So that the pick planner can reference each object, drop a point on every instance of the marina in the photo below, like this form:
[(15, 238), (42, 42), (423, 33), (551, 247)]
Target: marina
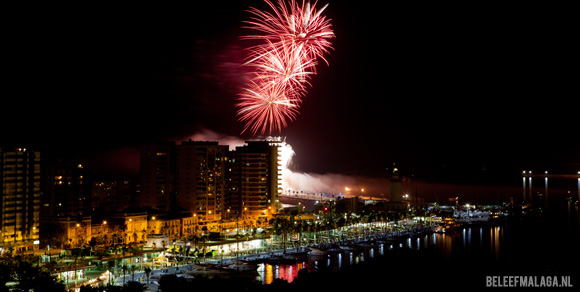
[(473, 238), (331, 257), (262, 257), (335, 255), (471, 250)]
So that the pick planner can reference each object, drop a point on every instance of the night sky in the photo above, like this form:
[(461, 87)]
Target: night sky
[(454, 93)]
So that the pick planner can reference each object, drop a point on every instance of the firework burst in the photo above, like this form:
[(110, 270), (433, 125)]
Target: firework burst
[(293, 38), (284, 66), (299, 27), (266, 108)]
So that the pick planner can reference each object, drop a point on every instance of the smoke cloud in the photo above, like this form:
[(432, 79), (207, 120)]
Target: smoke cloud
[(209, 135)]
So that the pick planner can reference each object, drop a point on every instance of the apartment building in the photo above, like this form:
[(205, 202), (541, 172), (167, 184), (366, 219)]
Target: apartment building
[(20, 200)]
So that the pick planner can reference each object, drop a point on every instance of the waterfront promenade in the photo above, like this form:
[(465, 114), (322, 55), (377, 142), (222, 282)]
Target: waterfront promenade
[(356, 233)]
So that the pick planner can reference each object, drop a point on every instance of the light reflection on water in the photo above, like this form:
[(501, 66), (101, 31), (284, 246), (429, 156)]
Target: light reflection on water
[(464, 240)]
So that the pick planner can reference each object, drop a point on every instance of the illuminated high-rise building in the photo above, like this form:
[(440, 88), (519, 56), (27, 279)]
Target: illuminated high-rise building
[(20, 201), (63, 191), (255, 180), (211, 182), (111, 195), (396, 188), (200, 179), (157, 169)]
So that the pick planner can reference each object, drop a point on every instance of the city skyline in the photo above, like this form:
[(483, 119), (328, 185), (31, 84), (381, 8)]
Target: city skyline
[(444, 134), (447, 93)]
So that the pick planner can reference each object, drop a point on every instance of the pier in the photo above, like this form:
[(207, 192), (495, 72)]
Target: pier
[(527, 184)]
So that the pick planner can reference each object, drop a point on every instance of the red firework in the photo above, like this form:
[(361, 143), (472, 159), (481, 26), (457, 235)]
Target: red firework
[(299, 27), (266, 107), (284, 66), (294, 37)]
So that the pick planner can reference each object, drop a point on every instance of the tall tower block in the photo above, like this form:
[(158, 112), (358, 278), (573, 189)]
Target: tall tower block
[(396, 188)]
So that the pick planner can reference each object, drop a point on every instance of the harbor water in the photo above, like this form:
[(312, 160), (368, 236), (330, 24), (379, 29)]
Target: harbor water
[(463, 240), (542, 246)]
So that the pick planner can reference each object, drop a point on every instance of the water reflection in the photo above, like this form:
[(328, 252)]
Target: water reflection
[(455, 243), (267, 273)]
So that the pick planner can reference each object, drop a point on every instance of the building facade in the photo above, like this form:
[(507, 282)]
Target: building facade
[(157, 171), (109, 196), (201, 183), (63, 189), (20, 201), (66, 232), (255, 180)]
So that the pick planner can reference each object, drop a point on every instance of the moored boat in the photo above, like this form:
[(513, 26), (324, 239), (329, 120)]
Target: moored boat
[(281, 260), (242, 267), (317, 252), (348, 247)]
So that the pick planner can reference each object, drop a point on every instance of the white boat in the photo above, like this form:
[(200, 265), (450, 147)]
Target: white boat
[(233, 269), (316, 252), (187, 276), (349, 247), (205, 271), (286, 259), (243, 267), (440, 229)]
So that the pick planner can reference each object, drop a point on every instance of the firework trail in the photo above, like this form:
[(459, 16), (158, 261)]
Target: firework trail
[(298, 27), (266, 107), (284, 66), (292, 38)]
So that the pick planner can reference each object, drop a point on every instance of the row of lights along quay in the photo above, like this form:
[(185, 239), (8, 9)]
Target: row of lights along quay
[(528, 185)]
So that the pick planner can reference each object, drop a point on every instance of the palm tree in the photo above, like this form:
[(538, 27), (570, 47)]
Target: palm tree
[(186, 253), (124, 270), (133, 268), (147, 273), (195, 239), (281, 227), (124, 250), (92, 244), (174, 252), (203, 239)]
